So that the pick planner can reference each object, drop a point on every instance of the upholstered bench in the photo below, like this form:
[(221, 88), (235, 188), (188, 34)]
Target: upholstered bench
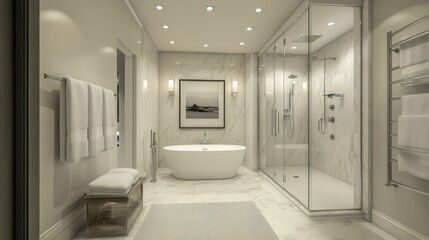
[(113, 213)]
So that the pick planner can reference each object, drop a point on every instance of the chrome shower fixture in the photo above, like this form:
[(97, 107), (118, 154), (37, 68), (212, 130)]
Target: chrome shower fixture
[(292, 76), (332, 95)]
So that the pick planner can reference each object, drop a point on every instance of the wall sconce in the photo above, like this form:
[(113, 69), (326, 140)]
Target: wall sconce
[(234, 91), (170, 87)]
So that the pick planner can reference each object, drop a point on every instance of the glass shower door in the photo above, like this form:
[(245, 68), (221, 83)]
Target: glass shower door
[(266, 108), (295, 119), (278, 111), (335, 114)]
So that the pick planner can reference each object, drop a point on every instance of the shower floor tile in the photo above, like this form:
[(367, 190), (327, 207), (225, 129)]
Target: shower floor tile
[(287, 221)]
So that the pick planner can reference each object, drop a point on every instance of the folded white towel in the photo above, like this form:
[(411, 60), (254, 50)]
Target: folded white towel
[(417, 104), (414, 163), (414, 51), (109, 119), (415, 70), (413, 131), (63, 122), (76, 120), (95, 120), (111, 184), (133, 172)]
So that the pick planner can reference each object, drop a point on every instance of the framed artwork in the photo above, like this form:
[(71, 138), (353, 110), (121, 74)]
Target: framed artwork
[(201, 103)]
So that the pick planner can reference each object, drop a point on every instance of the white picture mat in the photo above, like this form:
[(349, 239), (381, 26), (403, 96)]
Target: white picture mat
[(202, 86)]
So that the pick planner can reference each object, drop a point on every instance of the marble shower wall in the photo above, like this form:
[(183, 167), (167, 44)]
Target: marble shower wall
[(339, 158), (295, 129), (209, 66)]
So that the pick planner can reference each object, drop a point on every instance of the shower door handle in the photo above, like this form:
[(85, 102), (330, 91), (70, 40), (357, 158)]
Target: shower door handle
[(318, 124), (272, 122), (278, 123), (275, 114)]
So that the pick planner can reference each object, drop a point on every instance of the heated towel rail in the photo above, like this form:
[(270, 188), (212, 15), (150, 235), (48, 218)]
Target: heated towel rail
[(396, 87)]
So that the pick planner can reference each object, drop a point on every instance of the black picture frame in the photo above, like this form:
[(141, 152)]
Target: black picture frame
[(182, 107)]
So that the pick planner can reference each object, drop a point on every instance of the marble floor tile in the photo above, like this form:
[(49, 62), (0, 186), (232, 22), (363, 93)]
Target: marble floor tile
[(287, 220)]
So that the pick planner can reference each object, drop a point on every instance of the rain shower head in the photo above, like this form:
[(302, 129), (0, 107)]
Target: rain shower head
[(305, 38), (292, 76)]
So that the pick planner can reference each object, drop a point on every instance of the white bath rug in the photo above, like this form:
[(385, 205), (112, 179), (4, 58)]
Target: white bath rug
[(205, 221)]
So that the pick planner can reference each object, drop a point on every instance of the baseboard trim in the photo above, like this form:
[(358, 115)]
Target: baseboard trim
[(394, 227), (63, 224)]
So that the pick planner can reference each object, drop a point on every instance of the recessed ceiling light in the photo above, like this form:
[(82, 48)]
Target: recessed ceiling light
[(249, 28), (294, 47), (177, 62), (210, 8), (139, 42), (242, 43), (205, 45), (165, 26), (258, 10), (172, 42), (331, 23), (159, 7)]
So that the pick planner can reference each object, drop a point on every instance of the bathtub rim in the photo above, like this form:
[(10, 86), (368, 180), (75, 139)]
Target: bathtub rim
[(232, 147)]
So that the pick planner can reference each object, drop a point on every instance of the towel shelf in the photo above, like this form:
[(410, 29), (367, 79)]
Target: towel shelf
[(395, 178)]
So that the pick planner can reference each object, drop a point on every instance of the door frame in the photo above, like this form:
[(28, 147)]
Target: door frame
[(26, 119)]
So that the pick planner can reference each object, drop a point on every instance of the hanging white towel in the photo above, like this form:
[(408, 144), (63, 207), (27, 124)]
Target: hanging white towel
[(417, 104), (414, 51), (63, 122), (76, 120), (413, 132), (414, 163), (95, 120), (415, 70), (109, 119)]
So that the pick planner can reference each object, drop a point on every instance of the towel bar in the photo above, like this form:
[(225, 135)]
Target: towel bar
[(53, 77)]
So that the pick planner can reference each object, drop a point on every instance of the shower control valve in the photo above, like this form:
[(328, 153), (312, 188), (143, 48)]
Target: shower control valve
[(331, 119), (332, 107)]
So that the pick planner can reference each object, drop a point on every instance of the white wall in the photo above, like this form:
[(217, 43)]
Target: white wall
[(404, 206), (226, 67), (79, 38)]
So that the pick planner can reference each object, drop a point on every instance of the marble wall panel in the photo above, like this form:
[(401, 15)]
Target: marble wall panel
[(205, 66)]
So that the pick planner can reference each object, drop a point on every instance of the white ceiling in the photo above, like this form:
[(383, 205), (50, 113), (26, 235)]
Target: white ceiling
[(191, 26)]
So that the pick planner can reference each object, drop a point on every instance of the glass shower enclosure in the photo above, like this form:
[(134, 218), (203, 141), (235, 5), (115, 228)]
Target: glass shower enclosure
[(310, 109)]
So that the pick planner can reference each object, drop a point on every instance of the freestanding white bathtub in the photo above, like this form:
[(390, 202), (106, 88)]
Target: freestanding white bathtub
[(204, 161)]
